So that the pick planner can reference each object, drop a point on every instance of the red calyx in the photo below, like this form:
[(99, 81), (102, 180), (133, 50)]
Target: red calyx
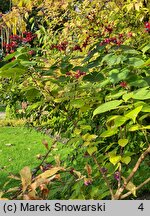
[(123, 84)]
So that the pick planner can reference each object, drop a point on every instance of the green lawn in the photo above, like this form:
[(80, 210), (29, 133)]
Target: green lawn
[(19, 147)]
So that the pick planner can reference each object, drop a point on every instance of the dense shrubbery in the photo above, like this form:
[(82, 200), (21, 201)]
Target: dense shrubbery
[(87, 82)]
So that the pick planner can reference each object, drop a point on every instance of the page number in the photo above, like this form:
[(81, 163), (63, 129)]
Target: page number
[(141, 207)]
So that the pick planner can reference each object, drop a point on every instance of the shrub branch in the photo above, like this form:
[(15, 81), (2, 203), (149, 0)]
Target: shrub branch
[(104, 176), (137, 188), (141, 158)]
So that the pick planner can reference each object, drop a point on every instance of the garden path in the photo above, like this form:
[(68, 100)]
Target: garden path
[(2, 115)]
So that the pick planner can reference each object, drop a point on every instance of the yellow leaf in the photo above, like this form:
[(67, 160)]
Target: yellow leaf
[(126, 159), (37, 183), (26, 177), (89, 137), (132, 188), (45, 143), (49, 173), (3, 199), (123, 142), (89, 169)]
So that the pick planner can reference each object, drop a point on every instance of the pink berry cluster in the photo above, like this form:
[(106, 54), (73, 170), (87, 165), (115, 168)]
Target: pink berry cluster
[(147, 26), (108, 29), (77, 75), (61, 47), (28, 37), (16, 40), (86, 41), (116, 40)]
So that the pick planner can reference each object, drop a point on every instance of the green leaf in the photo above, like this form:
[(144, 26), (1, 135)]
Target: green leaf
[(107, 107), (134, 113), (12, 72), (94, 77), (115, 96), (34, 106), (86, 127), (141, 94), (126, 159), (123, 142), (135, 62), (77, 103), (109, 132), (28, 63), (134, 128), (147, 47), (94, 63), (92, 52), (10, 56), (91, 150), (32, 94), (138, 83), (145, 127), (116, 121), (116, 75), (114, 159), (120, 120), (127, 96), (146, 63), (11, 64), (131, 51), (146, 108), (89, 137), (111, 59)]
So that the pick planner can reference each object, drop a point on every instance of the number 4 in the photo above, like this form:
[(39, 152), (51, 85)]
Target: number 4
[(141, 207)]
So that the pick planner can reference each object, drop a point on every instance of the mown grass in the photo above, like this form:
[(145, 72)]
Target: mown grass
[(19, 147)]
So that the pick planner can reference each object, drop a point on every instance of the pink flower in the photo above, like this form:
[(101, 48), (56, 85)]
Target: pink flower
[(123, 84), (31, 52), (129, 34)]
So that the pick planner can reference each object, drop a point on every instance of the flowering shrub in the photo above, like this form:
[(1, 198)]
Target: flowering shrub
[(91, 92)]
